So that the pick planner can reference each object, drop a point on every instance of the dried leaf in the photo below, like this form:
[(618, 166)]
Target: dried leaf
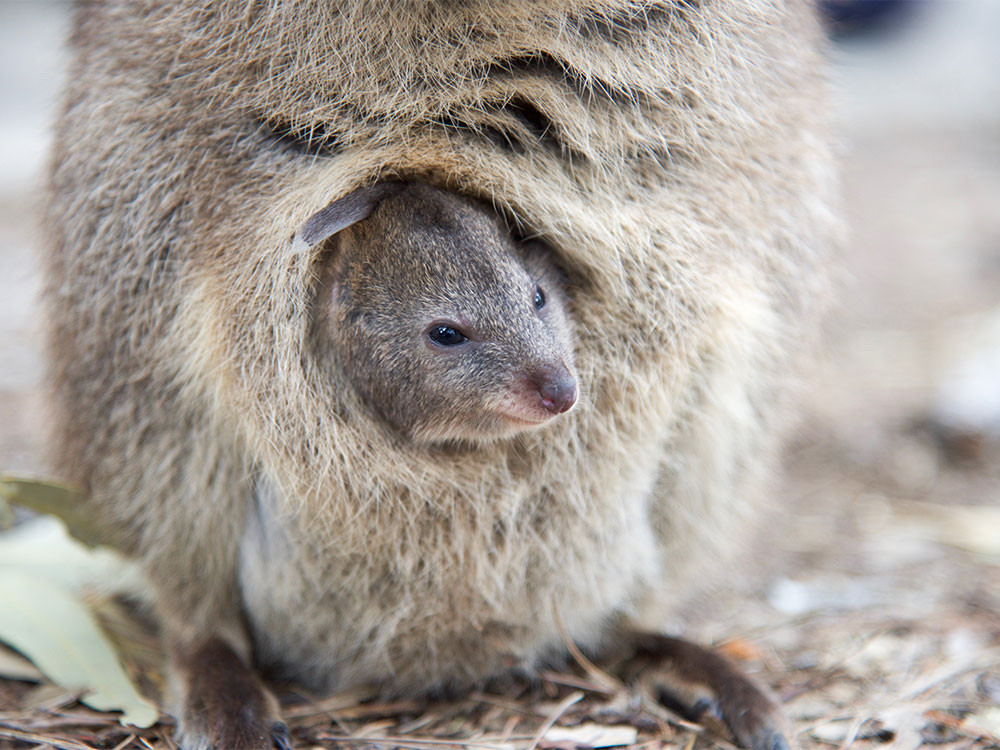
[(741, 649), (832, 732), (985, 723), (43, 620), (975, 528), (54, 499), (6, 515), (590, 735)]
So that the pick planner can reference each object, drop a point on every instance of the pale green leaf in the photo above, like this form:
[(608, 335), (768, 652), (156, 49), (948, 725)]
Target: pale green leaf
[(42, 547), (14, 667), (46, 623)]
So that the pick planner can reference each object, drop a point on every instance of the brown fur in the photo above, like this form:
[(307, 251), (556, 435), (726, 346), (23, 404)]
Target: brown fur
[(672, 154), (222, 699), (720, 690)]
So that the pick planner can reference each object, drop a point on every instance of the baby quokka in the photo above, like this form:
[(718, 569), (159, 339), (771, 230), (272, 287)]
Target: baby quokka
[(447, 327)]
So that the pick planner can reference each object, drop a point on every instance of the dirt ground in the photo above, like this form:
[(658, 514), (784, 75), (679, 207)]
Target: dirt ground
[(875, 612)]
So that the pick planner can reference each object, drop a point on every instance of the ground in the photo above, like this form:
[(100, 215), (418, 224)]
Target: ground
[(872, 605)]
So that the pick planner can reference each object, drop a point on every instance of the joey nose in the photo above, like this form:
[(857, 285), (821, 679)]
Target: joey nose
[(556, 388)]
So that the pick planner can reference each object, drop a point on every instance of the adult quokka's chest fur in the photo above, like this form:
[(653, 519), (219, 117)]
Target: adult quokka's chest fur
[(442, 580)]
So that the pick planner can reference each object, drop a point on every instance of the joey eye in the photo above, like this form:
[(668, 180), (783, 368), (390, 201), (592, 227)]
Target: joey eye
[(539, 298), (446, 335)]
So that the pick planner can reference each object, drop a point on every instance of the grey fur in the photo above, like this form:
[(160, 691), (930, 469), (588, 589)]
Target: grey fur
[(424, 258), (344, 212), (672, 155)]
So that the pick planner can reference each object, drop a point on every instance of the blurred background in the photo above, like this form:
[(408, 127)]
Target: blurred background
[(31, 69), (879, 600)]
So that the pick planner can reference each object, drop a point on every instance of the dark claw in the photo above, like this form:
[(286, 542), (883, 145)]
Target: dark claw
[(668, 700), (689, 711), (282, 740), (706, 707)]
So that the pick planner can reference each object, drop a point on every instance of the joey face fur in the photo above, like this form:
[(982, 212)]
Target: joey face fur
[(448, 328)]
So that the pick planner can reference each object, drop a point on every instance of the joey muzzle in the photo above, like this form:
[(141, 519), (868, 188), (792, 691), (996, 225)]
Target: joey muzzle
[(556, 388)]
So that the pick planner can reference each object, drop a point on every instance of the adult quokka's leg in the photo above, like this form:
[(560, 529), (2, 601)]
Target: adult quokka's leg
[(217, 696), (697, 682), (221, 701)]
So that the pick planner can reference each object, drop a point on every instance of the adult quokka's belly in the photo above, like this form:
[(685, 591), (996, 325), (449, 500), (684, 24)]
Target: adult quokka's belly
[(437, 617)]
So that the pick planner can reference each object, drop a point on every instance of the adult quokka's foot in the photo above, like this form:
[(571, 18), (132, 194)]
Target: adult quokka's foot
[(223, 704), (697, 682)]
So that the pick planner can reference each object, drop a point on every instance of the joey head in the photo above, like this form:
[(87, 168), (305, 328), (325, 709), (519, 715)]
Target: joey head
[(446, 326)]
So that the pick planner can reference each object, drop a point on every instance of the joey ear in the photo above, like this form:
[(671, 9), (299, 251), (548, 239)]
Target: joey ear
[(343, 212)]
